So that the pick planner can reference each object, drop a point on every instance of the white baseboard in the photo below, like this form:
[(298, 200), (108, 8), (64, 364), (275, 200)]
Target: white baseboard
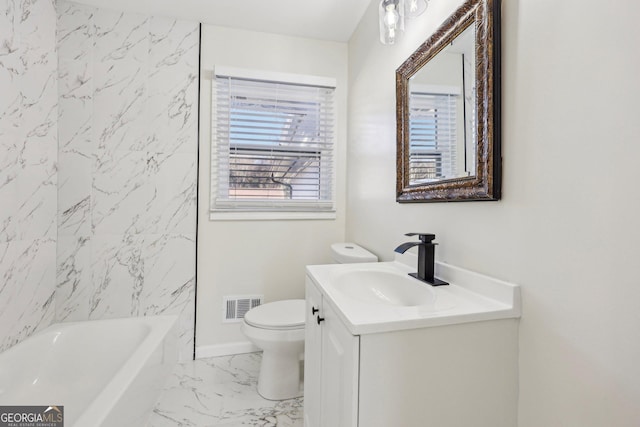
[(227, 349)]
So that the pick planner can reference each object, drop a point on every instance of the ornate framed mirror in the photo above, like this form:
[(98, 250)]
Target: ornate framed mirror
[(448, 111)]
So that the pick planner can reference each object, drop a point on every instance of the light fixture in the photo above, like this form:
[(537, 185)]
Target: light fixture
[(414, 8), (391, 17)]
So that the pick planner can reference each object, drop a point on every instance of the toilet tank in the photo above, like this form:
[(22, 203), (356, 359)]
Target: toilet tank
[(350, 253)]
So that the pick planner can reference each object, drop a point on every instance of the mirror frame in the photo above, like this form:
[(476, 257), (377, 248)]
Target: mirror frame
[(486, 184)]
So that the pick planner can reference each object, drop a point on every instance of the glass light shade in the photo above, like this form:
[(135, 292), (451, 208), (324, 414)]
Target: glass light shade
[(391, 18), (414, 8)]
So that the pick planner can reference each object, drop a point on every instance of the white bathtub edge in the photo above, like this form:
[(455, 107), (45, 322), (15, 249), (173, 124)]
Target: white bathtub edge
[(101, 411)]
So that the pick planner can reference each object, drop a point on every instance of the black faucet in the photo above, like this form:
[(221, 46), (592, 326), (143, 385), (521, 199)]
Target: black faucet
[(426, 257)]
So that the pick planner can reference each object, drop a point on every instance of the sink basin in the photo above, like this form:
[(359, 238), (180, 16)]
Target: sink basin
[(384, 287), (379, 297)]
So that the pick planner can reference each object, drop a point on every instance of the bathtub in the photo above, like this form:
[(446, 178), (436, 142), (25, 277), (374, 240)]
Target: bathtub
[(104, 372)]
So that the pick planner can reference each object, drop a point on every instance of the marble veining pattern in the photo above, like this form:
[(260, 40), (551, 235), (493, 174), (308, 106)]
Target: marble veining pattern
[(221, 391), (127, 166), (28, 169)]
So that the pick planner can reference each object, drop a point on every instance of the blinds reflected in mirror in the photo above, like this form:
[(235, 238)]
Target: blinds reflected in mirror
[(273, 145), (432, 137)]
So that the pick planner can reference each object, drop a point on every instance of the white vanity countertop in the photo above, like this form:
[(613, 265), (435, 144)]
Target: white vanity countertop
[(470, 297)]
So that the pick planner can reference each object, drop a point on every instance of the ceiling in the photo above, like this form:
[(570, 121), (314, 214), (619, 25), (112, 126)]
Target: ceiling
[(318, 19)]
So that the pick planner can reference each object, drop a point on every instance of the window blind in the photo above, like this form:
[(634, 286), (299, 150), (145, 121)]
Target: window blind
[(272, 146), (433, 139)]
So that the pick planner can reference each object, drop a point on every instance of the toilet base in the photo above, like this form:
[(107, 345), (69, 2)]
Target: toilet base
[(279, 377)]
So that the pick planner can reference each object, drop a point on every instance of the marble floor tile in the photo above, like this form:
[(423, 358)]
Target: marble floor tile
[(221, 391)]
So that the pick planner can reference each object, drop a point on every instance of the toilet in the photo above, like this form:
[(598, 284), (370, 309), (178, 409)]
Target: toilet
[(277, 328)]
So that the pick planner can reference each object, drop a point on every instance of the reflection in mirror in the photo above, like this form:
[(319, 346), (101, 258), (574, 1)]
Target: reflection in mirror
[(448, 110), (442, 144)]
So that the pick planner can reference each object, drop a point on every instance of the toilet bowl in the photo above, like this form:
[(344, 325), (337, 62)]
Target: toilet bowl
[(277, 328)]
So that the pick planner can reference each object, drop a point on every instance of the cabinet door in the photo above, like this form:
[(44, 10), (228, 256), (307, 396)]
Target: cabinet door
[(340, 359), (312, 355)]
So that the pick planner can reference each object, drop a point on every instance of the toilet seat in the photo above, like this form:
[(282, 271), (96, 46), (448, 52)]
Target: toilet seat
[(278, 315), (278, 329)]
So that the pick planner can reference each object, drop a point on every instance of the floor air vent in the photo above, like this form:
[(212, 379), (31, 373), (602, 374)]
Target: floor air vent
[(235, 307)]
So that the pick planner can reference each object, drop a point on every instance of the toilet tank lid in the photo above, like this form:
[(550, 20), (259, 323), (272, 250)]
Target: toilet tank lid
[(346, 253), (283, 314)]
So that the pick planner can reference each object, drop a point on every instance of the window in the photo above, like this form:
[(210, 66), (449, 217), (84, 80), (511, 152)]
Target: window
[(272, 144), (433, 151)]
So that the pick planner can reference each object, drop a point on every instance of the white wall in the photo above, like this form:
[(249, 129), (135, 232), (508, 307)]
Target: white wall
[(261, 257), (567, 226)]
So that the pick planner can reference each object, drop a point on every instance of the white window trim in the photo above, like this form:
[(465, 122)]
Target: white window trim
[(274, 76), (270, 215), (435, 89)]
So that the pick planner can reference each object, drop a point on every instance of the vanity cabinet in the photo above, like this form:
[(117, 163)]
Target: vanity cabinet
[(449, 375), (331, 366)]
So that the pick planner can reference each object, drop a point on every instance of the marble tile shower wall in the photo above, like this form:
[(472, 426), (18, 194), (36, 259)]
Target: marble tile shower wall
[(128, 90), (28, 178)]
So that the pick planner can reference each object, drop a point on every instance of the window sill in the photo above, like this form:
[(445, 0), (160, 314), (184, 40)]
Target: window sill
[(270, 216)]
